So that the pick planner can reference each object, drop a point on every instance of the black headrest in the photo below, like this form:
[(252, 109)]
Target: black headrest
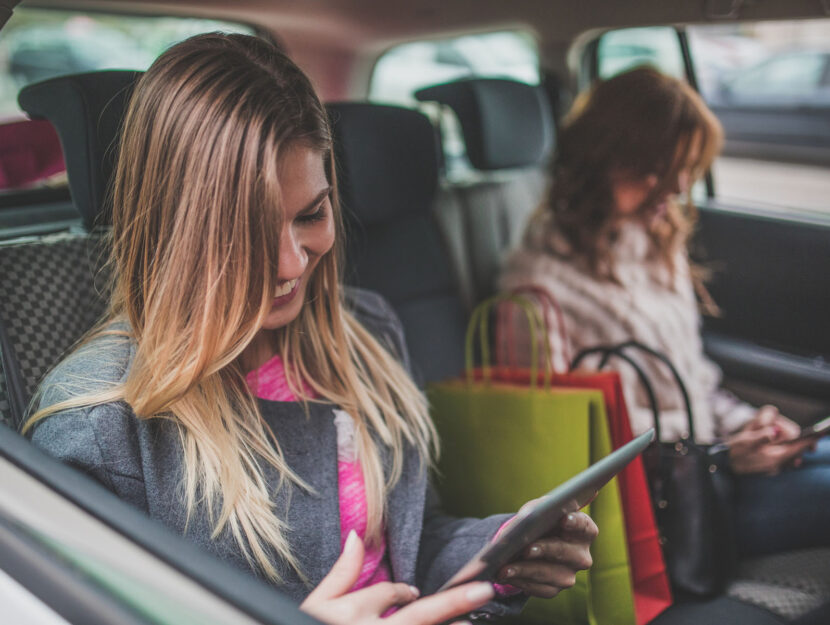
[(506, 124), (387, 159), (87, 111)]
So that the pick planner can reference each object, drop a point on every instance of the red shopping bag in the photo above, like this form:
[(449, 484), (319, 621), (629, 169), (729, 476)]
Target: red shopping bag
[(652, 593)]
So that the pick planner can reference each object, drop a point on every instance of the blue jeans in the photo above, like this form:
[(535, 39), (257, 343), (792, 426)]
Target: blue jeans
[(787, 511)]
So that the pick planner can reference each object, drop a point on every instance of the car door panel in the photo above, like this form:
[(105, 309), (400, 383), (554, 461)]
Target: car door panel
[(770, 277)]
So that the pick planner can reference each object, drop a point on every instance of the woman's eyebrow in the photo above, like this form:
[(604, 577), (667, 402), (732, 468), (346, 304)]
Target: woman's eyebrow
[(317, 199)]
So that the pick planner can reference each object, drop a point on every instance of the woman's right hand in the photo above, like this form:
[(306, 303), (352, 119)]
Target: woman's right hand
[(331, 602), (761, 445)]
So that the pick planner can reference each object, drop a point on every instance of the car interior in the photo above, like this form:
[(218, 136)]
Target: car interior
[(427, 225)]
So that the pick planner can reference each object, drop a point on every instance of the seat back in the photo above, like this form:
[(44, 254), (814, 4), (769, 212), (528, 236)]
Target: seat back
[(387, 161), (509, 133), (54, 288)]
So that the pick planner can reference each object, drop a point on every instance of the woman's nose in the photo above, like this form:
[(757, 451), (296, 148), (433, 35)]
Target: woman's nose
[(293, 257), (682, 182)]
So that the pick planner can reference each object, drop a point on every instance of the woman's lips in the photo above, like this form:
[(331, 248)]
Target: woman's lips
[(286, 292)]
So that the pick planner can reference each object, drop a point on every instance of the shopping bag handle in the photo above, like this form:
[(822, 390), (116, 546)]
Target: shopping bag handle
[(504, 332), (480, 319), (618, 350)]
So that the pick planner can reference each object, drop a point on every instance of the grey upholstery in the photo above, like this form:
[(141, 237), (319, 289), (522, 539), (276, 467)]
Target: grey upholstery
[(505, 123), (387, 160), (54, 288), (509, 133), (789, 584), (87, 111)]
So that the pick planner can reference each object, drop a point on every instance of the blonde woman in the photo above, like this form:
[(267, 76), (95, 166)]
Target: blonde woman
[(233, 393), (610, 245)]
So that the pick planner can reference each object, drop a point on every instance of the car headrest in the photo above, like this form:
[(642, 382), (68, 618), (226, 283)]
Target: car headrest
[(506, 124), (87, 111), (387, 160)]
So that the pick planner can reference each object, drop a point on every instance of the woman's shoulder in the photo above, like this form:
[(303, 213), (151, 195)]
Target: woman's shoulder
[(101, 437), (376, 314), (97, 364)]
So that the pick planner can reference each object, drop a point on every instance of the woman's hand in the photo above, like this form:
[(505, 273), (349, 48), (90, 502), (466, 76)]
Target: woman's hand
[(331, 602), (550, 564), (761, 445)]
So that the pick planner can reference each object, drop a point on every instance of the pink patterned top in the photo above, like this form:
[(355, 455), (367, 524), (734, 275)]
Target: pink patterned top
[(269, 382)]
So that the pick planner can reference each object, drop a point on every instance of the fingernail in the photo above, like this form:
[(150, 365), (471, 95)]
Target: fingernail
[(535, 551), (481, 592), (415, 592), (570, 521), (351, 541)]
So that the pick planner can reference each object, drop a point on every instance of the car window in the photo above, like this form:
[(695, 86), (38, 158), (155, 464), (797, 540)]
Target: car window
[(404, 69), (789, 76), (768, 85), (657, 46), (37, 44)]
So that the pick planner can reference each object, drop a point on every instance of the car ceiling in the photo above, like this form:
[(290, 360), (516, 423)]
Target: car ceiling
[(379, 23), (337, 41)]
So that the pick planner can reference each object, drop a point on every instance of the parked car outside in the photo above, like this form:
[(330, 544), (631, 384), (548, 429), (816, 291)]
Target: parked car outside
[(779, 108)]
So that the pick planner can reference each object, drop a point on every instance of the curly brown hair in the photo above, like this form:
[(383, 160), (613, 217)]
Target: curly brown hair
[(637, 124)]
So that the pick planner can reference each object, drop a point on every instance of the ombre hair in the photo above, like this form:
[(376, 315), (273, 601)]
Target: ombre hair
[(637, 124), (196, 224)]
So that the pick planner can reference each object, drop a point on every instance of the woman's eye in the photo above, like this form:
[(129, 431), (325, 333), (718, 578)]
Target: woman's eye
[(317, 215)]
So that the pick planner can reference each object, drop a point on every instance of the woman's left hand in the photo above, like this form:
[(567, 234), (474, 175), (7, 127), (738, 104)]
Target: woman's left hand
[(550, 564)]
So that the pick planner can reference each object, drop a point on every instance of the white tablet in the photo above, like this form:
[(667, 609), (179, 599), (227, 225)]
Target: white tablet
[(534, 523)]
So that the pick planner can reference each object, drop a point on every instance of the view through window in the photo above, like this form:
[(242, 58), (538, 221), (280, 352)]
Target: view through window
[(37, 44), (769, 84)]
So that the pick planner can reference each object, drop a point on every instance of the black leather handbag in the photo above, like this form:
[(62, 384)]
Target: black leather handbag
[(691, 488)]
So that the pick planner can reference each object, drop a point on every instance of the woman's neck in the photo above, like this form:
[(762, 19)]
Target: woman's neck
[(259, 351)]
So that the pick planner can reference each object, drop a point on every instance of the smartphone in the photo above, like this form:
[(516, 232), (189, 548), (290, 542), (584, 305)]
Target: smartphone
[(817, 430)]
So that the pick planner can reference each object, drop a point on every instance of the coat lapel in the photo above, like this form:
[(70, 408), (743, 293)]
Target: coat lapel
[(309, 445), (404, 518)]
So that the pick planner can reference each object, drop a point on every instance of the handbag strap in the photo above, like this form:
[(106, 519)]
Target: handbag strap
[(607, 352), (618, 350), (687, 402)]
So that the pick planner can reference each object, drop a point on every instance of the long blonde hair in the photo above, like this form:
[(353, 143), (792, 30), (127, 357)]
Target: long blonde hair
[(196, 223)]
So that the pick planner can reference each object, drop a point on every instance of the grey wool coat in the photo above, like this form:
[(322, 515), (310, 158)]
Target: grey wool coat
[(141, 462)]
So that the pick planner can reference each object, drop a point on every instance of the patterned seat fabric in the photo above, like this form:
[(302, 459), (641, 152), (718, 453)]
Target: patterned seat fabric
[(53, 289), (788, 584)]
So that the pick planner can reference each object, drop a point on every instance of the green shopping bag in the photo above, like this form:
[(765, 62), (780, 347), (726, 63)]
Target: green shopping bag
[(503, 445)]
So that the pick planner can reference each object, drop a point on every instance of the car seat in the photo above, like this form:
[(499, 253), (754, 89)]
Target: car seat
[(509, 133), (54, 287), (387, 164)]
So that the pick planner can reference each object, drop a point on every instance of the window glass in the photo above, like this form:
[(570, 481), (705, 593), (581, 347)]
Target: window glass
[(36, 44), (624, 49), (406, 68), (769, 84)]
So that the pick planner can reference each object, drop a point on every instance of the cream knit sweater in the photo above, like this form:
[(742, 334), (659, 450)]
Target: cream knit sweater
[(648, 305)]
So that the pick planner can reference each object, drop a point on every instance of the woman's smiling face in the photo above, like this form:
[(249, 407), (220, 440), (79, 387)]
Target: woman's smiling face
[(307, 231)]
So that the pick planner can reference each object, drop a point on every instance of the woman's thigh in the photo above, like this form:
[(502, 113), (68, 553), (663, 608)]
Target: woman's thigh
[(790, 510)]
